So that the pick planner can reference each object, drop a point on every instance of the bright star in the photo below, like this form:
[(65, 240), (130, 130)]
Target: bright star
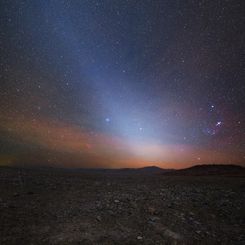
[(218, 123)]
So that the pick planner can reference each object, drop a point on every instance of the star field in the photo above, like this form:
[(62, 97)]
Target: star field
[(122, 83)]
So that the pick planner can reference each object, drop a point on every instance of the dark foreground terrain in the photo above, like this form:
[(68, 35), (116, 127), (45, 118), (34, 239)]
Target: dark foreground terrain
[(42, 206)]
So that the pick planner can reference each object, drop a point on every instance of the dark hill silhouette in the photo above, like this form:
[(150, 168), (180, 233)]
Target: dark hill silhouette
[(146, 170), (151, 169), (210, 169)]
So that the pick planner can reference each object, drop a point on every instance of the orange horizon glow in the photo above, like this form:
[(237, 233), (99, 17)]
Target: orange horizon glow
[(64, 145)]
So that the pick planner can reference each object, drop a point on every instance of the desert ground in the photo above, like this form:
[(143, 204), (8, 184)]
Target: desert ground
[(55, 206)]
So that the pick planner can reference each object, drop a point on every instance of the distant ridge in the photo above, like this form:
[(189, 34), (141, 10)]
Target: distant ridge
[(210, 169), (147, 169), (143, 170), (197, 170)]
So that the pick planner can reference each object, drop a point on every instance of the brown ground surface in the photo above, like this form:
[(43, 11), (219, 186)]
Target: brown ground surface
[(60, 207)]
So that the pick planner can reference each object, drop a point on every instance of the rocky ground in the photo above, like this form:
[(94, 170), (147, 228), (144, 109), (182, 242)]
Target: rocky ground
[(65, 207)]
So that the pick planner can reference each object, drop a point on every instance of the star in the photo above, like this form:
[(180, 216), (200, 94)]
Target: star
[(218, 123), (107, 119)]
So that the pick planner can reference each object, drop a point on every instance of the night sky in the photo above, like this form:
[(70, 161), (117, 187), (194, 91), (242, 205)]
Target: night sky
[(122, 83)]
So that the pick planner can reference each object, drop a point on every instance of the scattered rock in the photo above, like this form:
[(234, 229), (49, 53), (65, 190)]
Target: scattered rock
[(152, 210), (172, 234), (154, 218), (111, 212), (11, 206), (129, 210), (98, 218), (30, 193)]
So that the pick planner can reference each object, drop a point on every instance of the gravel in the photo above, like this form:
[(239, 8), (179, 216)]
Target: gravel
[(68, 207)]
